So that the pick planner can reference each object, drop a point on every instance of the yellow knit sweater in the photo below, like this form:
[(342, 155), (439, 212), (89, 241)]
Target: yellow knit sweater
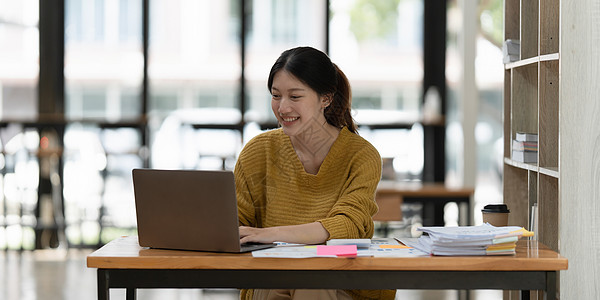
[(273, 189)]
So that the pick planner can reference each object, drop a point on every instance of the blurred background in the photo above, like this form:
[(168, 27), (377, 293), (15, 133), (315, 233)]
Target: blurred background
[(90, 89)]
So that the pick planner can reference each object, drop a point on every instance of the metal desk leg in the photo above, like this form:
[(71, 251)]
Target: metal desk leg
[(463, 294), (464, 213), (438, 213), (131, 293), (550, 285), (431, 214), (103, 293)]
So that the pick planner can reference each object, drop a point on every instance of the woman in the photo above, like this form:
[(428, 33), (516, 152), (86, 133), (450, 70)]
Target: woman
[(313, 179)]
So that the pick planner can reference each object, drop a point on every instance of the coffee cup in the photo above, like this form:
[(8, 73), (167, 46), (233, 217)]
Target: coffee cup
[(495, 214)]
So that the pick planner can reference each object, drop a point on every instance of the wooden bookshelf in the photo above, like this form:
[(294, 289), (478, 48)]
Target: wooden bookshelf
[(531, 104)]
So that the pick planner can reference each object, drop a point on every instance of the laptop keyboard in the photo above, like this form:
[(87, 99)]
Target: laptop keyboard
[(255, 246)]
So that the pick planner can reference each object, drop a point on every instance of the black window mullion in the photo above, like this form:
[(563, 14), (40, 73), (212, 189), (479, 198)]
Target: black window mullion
[(145, 41), (51, 84), (327, 13), (51, 109), (243, 29), (145, 94), (434, 75)]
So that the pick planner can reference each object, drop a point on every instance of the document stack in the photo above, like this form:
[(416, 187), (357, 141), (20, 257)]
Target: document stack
[(525, 147), (470, 240), (511, 50)]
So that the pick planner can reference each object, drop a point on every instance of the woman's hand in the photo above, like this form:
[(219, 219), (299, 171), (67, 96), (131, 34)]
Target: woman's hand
[(257, 235), (311, 233)]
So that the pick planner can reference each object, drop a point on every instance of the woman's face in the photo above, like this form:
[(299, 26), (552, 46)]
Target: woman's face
[(295, 105)]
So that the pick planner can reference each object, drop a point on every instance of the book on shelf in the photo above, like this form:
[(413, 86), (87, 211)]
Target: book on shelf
[(511, 50), (533, 222), (526, 137), (524, 146), (524, 156)]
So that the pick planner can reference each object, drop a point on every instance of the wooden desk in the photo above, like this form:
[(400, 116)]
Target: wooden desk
[(122, 263), (433, 196)]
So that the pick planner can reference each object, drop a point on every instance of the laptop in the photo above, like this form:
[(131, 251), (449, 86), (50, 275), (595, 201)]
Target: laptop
[(188, 210)]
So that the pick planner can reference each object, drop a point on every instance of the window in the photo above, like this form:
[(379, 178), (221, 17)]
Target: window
[(194, 59), (19, 59), (207, 63), (19, 71), (378, 44), (489, 74), (194, 70), (275, 27), (103, 59)]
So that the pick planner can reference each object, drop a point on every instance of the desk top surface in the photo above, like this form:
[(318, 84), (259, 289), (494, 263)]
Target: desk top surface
[(423, 189), (125, 253)]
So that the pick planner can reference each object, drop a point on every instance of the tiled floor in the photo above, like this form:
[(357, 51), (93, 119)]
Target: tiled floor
[(63, 275)]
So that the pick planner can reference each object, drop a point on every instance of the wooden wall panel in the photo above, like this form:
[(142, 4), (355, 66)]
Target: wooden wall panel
[(548, 114), (529, 28), (549, 26), (516, 195), (511, 25), (524, 99)]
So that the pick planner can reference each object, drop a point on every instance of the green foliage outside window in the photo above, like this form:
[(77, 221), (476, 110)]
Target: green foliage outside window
[(491, 19), (374, 19)]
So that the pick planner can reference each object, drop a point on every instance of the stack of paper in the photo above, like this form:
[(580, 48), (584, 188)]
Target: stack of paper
[(377, 247), (470, 240), (360, 243)]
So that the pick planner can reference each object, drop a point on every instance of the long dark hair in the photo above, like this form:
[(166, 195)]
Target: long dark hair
[(315, 69)]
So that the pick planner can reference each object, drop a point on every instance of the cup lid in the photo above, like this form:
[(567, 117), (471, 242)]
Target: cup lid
[(495, 208)]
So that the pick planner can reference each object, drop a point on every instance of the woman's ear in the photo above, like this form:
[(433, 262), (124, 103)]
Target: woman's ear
[(326, 100)]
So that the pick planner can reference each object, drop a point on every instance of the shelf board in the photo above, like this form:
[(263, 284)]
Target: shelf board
[(518, 164), (550, 57), (532, 60), (550, 171), (521, 63)]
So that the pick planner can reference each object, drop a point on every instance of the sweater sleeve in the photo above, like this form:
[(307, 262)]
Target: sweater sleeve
[(352, 214), (244, 196)]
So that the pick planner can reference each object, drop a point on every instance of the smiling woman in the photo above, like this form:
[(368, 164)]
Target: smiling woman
[(314, 71), (313, 179), (311, 101)]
